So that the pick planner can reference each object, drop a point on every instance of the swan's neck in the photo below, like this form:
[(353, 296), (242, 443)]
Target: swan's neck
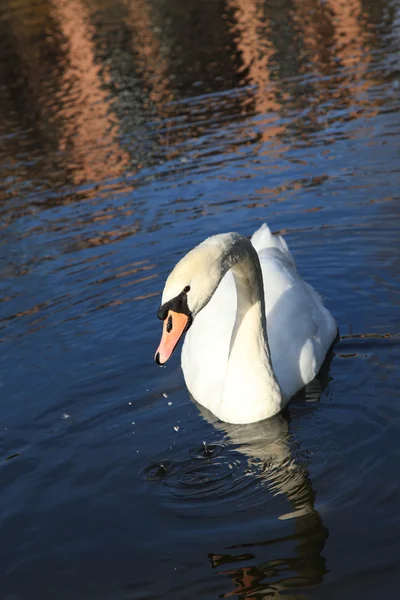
[(251, 391)]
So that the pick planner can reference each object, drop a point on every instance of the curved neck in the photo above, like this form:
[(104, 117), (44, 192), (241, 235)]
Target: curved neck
[(251, 391)]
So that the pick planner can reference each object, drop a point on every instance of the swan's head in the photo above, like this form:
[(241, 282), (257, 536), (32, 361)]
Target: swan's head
[(188, 289)]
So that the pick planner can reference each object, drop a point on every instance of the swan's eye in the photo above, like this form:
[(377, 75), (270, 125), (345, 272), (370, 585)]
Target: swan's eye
[(169, 324), (186, 289)]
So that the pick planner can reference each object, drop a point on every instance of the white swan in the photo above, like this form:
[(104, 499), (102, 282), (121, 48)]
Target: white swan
[(256, 331)]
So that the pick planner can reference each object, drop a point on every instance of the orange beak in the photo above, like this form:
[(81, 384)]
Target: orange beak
[(173, 328)]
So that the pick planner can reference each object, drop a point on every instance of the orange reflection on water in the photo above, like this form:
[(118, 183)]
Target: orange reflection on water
[(352, 46), (314, 27), (88, 121), (350, 33), (336, 42), (152, 64), (252, 33)]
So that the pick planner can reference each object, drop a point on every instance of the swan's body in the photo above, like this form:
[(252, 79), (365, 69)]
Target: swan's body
[(259, 334)]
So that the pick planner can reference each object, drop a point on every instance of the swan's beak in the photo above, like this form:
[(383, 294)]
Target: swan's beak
[(174, 326)]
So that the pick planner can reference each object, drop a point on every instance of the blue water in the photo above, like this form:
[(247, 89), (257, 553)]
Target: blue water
[(129, 132)]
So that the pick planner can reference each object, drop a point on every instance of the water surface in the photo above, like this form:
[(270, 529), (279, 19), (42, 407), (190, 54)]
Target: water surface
[(130, 130)]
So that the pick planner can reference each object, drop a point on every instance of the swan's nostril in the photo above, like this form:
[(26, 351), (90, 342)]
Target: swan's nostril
[(169, 324)]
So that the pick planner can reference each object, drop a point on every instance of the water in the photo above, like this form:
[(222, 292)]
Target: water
[(130, 131)]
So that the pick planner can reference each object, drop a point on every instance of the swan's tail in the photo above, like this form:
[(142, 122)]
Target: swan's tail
[(263, 238)]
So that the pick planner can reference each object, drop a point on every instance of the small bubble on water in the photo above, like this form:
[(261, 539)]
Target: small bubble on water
[(165, 395), (129, 403), (169, 403), (206, 449), (133, 422), (176, 427)]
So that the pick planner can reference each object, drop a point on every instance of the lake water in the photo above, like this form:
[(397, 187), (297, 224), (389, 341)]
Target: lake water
[(130, 130)]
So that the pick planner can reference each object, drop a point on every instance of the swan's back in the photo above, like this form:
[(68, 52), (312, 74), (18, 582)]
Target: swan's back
[(263, 238)]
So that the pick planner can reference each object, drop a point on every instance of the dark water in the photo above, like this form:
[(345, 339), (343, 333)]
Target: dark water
[(130, 131)]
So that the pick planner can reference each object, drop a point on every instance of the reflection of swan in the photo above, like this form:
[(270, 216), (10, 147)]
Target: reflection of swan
[(282, 566), (230, 364)]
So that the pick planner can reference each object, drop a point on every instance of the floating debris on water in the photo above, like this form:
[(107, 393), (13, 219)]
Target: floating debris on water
[(176, 427), (13, 456), (170, 403), (66, 416), (165, 395)]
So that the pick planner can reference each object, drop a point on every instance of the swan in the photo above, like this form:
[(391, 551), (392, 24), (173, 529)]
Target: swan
[(256, 332)]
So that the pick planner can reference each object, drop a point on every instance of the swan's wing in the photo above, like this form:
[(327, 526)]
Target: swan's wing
[(300, 328)]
